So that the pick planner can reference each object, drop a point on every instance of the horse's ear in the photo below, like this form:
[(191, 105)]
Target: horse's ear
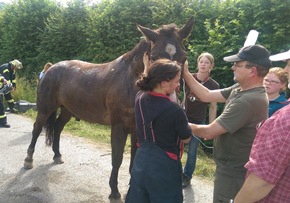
[(187, 28), (149, 34)]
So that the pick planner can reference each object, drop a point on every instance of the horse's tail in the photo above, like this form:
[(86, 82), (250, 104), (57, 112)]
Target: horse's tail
[(50, 129)]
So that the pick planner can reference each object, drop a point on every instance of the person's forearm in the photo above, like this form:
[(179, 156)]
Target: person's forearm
[(209, 131), (212, 112), (253, 190), (201, 131)]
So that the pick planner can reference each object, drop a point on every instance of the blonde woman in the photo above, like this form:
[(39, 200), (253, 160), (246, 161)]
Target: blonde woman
[(196, 110), (275, 83), (45, 68)]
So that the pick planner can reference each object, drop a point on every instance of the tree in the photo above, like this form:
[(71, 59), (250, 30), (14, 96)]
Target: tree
[(64, 36), (112, 28), (20, 25)]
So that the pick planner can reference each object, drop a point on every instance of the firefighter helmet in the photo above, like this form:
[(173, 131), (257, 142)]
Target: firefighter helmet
[(17, 64)]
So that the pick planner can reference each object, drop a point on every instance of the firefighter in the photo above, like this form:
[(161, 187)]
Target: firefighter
[(7, 70), (3, 118)]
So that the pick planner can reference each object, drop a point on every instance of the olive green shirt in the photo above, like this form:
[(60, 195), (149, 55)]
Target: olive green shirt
[(242, 112)]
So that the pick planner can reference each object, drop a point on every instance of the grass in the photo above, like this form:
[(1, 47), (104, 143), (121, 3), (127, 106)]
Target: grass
[(205, 166)]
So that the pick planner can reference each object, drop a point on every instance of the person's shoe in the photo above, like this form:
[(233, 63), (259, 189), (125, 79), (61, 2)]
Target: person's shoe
[(185, 181), (4, 125)]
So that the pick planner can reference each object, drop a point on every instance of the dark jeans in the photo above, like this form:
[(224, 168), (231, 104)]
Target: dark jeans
[(191, 153)]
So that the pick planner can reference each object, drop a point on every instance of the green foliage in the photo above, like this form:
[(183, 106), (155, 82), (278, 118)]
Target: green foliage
[(64, 35), (113, 29), (26, 90), (20, 25)]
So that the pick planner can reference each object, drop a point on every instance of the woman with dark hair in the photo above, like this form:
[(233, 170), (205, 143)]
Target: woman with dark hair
[(162, 128)]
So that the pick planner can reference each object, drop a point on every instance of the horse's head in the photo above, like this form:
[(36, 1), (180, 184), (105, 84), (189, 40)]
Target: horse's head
[(166, 42)]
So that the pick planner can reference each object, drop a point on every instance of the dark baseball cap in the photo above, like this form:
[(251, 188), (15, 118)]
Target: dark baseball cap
[(256, 54)]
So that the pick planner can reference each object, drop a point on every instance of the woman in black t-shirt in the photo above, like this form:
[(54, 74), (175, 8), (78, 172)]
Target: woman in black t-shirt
[(162, 128)]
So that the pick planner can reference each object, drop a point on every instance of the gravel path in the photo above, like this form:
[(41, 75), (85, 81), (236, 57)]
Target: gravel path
[(83, 178)]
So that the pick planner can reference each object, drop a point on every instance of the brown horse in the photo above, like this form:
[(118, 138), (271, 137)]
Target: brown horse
[(102, 93)]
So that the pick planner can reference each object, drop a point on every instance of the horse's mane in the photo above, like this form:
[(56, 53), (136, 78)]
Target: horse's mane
[(168, 29), (138, 51)]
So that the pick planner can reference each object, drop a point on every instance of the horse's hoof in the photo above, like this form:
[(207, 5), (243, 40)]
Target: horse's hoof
[(116, 195), (58, 160), (28, 164)]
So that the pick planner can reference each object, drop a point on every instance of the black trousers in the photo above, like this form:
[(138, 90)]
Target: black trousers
[(3, 118), (10, 100)]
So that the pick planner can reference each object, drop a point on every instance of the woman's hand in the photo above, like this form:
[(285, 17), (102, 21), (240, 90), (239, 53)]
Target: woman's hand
[(146, 64)]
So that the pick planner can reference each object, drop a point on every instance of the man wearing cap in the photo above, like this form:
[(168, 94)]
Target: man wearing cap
[(268, 169), (246, 105), (8, 72)]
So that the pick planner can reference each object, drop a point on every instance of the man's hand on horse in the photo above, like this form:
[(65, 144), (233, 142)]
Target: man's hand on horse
[(146, 63)]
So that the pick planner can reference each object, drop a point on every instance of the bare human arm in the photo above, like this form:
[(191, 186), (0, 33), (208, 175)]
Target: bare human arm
[(212, 112), (209, 131), (253, 190), (203, 93)]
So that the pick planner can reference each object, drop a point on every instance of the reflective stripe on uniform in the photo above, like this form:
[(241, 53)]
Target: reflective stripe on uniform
[(3, 116), (10, 101), (6, 70)]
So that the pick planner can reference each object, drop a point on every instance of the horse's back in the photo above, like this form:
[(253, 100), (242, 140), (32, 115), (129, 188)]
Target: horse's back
[(92, 92)]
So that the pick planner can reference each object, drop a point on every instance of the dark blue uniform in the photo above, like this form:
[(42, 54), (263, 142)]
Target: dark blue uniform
[(157, 170), (9, 74)]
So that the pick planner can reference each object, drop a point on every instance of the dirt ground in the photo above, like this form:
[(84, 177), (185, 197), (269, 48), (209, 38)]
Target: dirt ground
[(83, 178)]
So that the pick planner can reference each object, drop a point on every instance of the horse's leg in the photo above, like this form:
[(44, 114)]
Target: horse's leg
[(60, 122), (118, 141), (37, 128), (133, 149)]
